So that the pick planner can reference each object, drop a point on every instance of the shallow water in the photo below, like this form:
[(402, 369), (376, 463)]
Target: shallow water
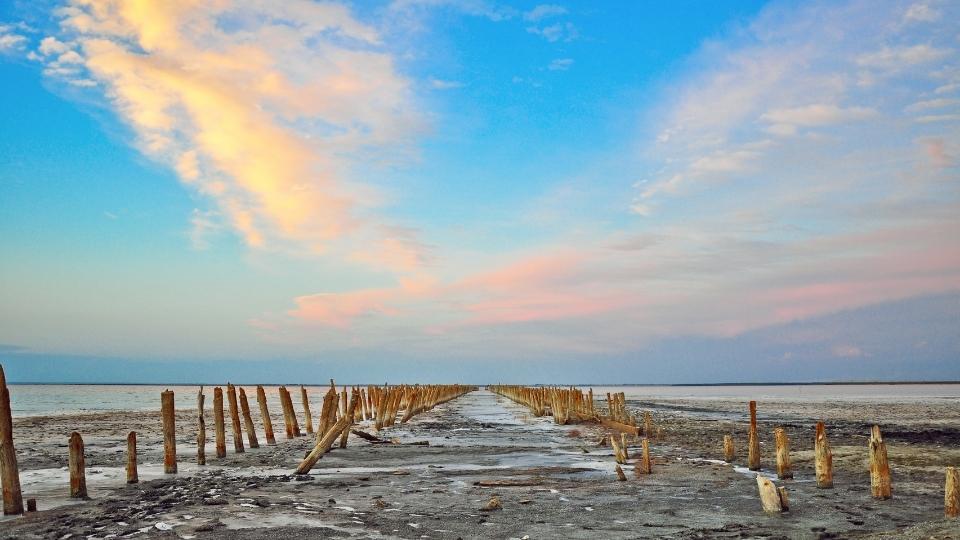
[(37, 400)]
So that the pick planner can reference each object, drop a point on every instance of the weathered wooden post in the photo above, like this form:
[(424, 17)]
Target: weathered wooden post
[(235, 419), (201, 430), (219, 427), (646, 466), (784, 466), (624, 447), (248, 420), (879, 467), (729, 451), (951, 493), (620, 476), (307, 417), (169, 432), (647, 425), (324, 444), (823, 458), (9, 472), (265, 415), (31, 505), (773, 500), (753, 442), (78, 479), (132, 476)]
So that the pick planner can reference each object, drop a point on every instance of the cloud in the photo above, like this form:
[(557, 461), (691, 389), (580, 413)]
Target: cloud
[(897, 58), (560, 64), (544, 11), (922, 12), (9, 40), (265, 109), (474, 8), (440, 84), (817, 115)]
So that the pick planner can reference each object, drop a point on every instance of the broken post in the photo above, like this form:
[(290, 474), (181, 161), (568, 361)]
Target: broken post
[(784, 468), (325, 443), (753, 442), (879, 467), (620, 476), (78, 479), (132, 476), (823, 458), (219, 427), (169, 433), (729, 451), (235, 419), (770, 497), (265, 415), (248, 420), (307, 417), (617, 450), (951, 493), (9, 472), (645, 464), (201, 430)]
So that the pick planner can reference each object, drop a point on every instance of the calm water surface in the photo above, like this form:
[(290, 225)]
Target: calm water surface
[(34, 400)]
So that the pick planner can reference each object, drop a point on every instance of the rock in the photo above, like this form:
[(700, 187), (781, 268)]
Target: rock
[(493, 504)]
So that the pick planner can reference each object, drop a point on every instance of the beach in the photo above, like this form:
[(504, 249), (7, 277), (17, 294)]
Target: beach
[(553, 481)]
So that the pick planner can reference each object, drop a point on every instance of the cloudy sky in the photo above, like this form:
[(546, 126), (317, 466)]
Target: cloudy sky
[(475, 190)]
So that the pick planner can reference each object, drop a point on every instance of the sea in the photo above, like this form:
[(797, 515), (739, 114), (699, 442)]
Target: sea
[(57, 399)]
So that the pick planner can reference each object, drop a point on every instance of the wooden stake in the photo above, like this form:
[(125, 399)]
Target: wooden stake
[(201, 431), (753, 442), (879, 467), (9, 472), (219, 427), (325, 443), (951, 493), (645, 464), (235, 419), (617, 450), (132, 476), (169, 433), (623, 446), (307, 417), (620, 476), (31, 505), (647, 425), (248, 420), (729, 451), (265, 415), (823, 458), (769, 495), (78, 479), (784, 469)]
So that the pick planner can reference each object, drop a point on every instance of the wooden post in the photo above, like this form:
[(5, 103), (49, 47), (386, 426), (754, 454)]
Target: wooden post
[(132, 476), (645, 464), (647, 425), (823, 458), (879, 467), (951, 493), (623, 446), (620, 476), (235, 419), (169, 433), (248, 420), (31, 505), (322, 446), (78, 479), (753, 442), (784, 467), (219, 427), (769, 495), (307, 417), (201, 430), (265, 415), (349, 414), (9, 472), (729, 451)]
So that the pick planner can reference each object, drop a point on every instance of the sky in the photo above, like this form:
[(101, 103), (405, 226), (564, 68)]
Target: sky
[(479, 191)]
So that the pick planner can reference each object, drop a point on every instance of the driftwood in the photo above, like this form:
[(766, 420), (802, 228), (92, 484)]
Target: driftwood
[(508, 483), (619, 426)]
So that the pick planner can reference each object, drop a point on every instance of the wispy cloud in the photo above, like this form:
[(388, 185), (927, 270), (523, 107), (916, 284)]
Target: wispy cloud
[(560, 64), (544, 11)]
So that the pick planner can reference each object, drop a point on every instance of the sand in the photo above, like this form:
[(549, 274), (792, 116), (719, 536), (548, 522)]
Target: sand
[(560, 483)]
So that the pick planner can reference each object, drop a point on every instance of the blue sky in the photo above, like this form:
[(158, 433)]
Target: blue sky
[(728, 188)]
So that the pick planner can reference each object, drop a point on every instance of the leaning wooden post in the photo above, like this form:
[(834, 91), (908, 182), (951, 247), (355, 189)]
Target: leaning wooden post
[(753, 442), (823, 458), (951, 493), (235, 419), (879, 467), (784, 467), (729, 451), (9, 472), (78, 479), (248, 420), (201, 431), (773, 500), (169, 433), (265, 415), (221, 430), (307, 417), (132, 476)]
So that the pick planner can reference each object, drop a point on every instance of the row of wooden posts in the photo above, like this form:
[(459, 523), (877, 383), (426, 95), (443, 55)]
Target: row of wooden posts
[(572, 405), (338, 414)]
